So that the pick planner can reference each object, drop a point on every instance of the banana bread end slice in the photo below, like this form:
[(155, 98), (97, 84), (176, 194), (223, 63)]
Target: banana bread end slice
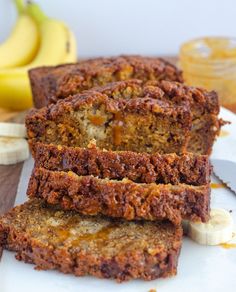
[(105, 248)]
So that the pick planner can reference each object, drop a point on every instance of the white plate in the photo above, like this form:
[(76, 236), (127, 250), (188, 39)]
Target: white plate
[(201, 268)]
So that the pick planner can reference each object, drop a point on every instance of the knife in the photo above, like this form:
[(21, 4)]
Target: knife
[(225, 170)]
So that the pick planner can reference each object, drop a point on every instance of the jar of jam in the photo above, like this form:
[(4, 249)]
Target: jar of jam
[(211, 63)]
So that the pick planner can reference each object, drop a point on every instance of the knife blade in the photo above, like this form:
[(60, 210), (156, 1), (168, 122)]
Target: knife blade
[(225, 170)]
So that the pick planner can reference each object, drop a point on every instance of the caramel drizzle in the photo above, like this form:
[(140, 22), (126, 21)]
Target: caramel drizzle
[(217, 185), (117, 128), (96, 120), (228, 245), (103, 234)]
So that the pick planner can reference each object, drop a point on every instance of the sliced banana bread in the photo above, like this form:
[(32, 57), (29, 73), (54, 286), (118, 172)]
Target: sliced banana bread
[(105, 248), (52, 83), (171, 168), (125, 115), (124, 199), (204, 106)]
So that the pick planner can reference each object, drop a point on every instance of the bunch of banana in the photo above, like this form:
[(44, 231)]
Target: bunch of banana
[(36, 40), (22, 45)]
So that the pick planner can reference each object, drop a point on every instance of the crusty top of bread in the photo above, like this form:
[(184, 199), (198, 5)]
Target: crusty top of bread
[(135, 95), (50, 83)]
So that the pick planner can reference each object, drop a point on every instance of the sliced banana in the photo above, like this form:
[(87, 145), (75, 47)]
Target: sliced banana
[(217, 230), (12, 130), (13, 150)]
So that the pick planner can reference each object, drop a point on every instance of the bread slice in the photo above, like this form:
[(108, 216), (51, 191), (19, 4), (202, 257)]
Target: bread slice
[(123, 199), (102, 247), (126, 115), (49, 84), (52, 83), (123, 113), (192, 169)]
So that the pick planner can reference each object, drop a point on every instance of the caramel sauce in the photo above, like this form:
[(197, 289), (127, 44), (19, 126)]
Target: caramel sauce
[(231, 106), (101, 235), (117, 128), (228, 245), (217, 185), (224, 133), (63, 234), (210, 63), (117, 134), (118, 116), (96, 120)]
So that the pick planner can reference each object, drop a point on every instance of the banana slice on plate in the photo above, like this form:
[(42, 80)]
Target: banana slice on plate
[(218, 229), (13, 150), (12, 130)]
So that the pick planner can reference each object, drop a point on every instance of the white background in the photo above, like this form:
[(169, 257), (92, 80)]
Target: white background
[(109, 27)]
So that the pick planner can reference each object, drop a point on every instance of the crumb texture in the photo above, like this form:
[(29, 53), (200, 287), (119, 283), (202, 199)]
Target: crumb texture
[(171, 168), (102, 247), (124, 199), (120, 116), (161, 116), (50, 84)]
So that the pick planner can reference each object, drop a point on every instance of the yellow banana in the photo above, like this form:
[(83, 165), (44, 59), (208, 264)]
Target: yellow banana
[(15, 92), (58, 45), (21, 46), (57, 42), (71, 51)]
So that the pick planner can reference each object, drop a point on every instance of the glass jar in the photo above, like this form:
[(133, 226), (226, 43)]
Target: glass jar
[(211, 63)]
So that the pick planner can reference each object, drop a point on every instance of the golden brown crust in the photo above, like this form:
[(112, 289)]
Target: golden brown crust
[(189, 107), (139, 167), (52, 83), (124, 199), (131, 115), (81, 245)]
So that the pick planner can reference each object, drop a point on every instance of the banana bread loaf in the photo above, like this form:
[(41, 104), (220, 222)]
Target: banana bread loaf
[(157, 168), (124, 199), (52, 83), (105, 248), (125, 115)]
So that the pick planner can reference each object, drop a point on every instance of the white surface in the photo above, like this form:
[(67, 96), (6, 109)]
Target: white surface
[(201, 268), (110, 27)]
